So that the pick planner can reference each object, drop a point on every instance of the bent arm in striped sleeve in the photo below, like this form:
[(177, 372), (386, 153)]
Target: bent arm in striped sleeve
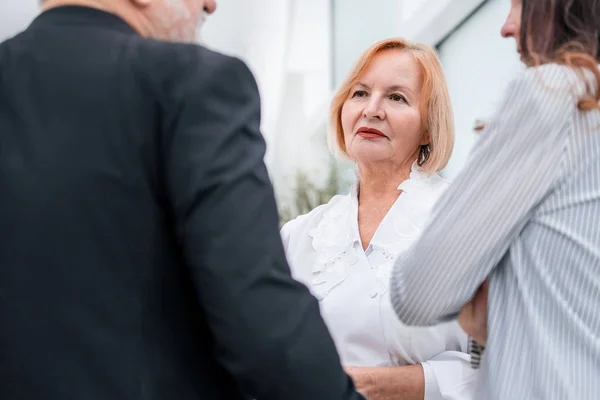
[(513, 166)]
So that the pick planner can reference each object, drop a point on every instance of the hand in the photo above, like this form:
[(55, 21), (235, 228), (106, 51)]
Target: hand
[(389, 383), (362, 378), (473, 316)]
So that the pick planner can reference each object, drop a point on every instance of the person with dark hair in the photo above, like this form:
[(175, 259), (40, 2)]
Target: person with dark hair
[(520, 222)]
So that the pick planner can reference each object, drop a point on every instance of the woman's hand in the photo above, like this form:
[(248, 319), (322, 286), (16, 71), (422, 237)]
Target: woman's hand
[(473, 317), (389, 383), (363, 379)]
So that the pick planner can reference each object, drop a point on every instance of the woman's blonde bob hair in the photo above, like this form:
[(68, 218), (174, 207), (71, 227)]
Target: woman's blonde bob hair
[(436, 109)]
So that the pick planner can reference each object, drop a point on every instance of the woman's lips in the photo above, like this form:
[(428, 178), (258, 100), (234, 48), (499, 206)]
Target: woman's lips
[(370, 133)]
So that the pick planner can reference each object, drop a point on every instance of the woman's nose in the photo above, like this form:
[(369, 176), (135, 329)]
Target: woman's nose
[(508, 29), (374, 109), (210, 6)]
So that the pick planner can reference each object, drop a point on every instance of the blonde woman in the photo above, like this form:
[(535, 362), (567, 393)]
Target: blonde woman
[(393, 117)]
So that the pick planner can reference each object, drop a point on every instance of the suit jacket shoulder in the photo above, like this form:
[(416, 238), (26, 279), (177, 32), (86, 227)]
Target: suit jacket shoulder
[(176, 70)]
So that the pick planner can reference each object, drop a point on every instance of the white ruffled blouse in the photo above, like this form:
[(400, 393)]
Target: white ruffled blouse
[(351, 284)]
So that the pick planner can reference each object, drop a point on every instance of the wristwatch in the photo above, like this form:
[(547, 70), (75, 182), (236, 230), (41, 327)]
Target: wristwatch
[(476, 351)]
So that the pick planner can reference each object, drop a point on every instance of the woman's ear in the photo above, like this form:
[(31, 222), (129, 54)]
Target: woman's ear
[(426, 139)]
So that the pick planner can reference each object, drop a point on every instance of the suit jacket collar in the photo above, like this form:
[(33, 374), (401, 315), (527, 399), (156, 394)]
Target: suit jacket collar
[(83, 16)]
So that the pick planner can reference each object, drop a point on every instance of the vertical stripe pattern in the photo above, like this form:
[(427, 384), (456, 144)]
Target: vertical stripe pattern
[(525, 211)]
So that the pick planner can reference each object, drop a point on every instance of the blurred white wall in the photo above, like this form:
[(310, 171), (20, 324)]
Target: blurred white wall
[(299, 51), (429, 21), (478, 64), (15, 16), (356, 25), (258, 32), (302, 96)]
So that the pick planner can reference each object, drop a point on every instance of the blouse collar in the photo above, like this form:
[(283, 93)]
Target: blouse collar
[(336, 238), (338, 228)]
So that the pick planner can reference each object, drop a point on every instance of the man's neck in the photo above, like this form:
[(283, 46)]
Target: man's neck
[(133, 16)]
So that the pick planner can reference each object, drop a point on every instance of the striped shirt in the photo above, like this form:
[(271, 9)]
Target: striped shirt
[(525, 211)]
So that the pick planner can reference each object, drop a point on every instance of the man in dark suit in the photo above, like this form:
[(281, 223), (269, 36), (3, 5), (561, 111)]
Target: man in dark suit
[(140, 256)]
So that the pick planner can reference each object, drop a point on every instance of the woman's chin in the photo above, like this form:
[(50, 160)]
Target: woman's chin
[(369, 151), (365, 157)]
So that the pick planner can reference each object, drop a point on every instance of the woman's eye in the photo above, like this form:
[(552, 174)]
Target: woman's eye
[(359, 93), (398, 97)]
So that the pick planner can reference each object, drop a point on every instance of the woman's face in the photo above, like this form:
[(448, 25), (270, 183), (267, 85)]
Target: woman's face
[(381, 117), (512, 25)]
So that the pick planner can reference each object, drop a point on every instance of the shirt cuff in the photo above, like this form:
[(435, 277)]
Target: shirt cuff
[(432, 389)]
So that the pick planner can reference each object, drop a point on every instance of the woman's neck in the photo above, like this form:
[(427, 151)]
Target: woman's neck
[(379, 183), (377, 193)]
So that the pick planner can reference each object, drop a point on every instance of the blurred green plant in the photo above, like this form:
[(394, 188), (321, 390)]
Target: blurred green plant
[(309, 196)]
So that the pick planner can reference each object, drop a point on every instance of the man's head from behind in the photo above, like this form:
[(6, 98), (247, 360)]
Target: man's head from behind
[(173, 20)]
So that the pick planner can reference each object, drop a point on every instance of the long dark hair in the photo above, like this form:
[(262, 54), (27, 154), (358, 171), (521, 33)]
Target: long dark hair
[(564, 32)]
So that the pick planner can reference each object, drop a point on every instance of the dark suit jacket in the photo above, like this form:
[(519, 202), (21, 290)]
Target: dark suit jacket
[(140, 255)]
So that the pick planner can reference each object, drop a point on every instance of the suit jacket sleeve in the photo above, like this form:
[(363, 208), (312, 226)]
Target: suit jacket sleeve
[(267, 327)]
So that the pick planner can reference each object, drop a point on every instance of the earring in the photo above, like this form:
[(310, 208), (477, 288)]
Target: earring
[(424, 154)]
